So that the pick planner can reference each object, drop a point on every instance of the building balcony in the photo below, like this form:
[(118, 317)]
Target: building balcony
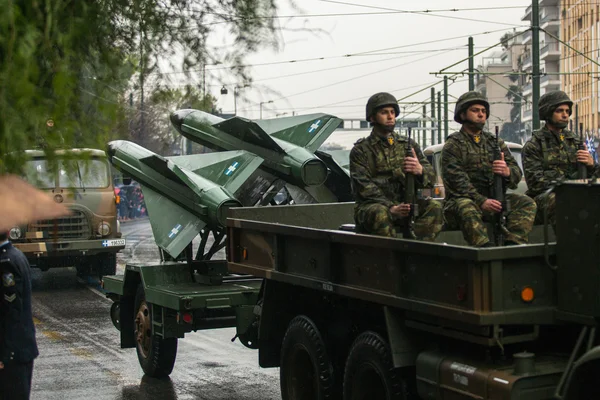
[(550, 82), (550, 52), (527, 16), (527, 89), (526, 115), (527, 37), (551, 23)]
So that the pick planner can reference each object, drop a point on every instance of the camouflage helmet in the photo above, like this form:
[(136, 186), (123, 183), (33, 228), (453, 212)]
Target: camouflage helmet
[(550, 101), (379, 100), (467, 100)]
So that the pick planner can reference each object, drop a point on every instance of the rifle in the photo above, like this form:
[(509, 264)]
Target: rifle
[(499, 194), (410, 195), (581, 168)]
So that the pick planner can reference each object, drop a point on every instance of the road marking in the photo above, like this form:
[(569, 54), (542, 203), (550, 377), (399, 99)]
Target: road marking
[(53, 335)]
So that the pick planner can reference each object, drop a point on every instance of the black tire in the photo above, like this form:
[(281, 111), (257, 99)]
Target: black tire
[(370, 372), (306, 371), (155, 354), (115, 315)]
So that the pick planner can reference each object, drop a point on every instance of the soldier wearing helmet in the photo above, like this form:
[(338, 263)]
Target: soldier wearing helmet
[(378, 165), (468, 169), (553, 152)]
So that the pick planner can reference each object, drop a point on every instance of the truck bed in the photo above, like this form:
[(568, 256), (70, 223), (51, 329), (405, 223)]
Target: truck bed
[(302, 245)]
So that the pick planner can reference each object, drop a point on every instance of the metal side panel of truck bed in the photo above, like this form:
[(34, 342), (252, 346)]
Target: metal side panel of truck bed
[(170, 285), (301, 245)]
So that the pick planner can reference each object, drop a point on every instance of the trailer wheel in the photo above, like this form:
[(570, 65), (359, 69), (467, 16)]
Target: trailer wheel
[(155, 354), (115, 314), (370, 372), (306, 371)]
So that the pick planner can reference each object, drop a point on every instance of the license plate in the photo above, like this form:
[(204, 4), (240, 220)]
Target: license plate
[(113, 242)]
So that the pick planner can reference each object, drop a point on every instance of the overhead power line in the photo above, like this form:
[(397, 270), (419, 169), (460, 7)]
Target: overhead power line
[(364, 53), (348, 80), (426, 12)]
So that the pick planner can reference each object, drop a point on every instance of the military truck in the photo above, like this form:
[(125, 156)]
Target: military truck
[(89, 238), (366, 317)]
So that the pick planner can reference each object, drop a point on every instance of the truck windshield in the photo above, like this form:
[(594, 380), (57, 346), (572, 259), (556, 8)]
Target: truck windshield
[(87, 174)]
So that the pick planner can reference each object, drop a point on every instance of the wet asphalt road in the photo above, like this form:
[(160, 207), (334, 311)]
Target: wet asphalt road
[(80, 356)]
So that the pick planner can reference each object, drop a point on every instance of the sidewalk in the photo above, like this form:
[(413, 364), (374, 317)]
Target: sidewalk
[(145, 217)]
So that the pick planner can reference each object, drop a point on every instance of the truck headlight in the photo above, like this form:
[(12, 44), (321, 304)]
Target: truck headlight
[(104, 229), (15, 233)]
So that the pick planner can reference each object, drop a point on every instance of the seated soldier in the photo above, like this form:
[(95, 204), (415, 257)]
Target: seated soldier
[(378, 168), (553, 152), (468, 169)]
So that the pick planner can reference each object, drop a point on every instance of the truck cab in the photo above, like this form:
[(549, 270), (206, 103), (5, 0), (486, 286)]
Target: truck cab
[(87, 239)]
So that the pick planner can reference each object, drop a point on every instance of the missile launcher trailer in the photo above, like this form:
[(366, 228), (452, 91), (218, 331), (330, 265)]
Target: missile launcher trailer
[(359, 316)]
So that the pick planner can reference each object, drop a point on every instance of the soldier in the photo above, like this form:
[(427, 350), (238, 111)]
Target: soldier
[(553, 152), (378, 165), (468, 169), (18, 347)]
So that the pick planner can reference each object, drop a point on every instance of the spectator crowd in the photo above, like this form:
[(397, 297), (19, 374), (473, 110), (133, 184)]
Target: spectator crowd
[(130, 202)]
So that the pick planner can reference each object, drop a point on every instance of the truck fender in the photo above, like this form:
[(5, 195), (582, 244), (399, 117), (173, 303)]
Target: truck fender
[(272, 325), (404, 342), (130, 283), (583, 378)]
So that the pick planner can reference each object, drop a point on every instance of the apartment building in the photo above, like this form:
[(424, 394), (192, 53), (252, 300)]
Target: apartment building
[(580, 29), (550, 57), (495, 78)]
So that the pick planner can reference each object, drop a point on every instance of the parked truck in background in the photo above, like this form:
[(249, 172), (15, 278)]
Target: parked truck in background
[(89, 238)]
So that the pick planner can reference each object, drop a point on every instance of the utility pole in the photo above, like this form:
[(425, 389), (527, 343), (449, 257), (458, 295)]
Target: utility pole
[(535, 57), (445, 106), (576, 121), (432, 116), (439, 113), (142, 136), (204, 83), (423, 132), (471, 65)]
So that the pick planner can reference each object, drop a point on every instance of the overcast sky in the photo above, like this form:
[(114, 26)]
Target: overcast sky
[(388, 53)]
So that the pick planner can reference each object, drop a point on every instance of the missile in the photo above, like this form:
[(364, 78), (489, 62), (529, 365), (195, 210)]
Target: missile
[(184, 194), (287, 145)]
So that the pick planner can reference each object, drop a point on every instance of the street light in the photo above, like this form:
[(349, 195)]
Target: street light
[(261, 104), (236, 91)]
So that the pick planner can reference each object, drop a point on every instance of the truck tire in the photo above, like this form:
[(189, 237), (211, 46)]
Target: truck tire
[(370, 372), (155, 354), (115, 314), (306, 371)]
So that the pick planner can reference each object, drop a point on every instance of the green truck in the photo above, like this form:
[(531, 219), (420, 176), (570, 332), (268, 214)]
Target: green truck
[(90, 237), (353, 316)]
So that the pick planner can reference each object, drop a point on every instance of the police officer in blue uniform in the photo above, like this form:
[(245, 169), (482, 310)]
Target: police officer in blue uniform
[(18, 347)]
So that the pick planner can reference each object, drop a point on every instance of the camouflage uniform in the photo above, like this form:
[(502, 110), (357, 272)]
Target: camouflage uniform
[(468, 180), (378, 180), (547, 158)]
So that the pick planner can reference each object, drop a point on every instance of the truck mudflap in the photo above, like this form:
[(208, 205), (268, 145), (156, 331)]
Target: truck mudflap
[(441, 377), (70, 248)]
